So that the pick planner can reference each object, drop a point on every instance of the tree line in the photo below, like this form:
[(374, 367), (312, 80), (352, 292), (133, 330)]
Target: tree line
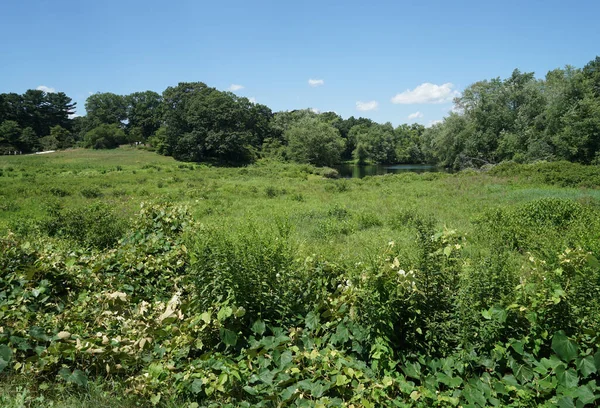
[(519, 118)]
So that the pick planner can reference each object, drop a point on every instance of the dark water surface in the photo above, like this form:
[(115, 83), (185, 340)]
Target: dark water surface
[(360, 171)]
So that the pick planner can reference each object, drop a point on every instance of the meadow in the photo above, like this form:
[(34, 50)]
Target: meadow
[(132, 279)]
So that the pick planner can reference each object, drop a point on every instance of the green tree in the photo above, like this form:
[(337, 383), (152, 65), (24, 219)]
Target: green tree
[(144, 113), (63, 137), (29, 140), (105, 137), (315, 142), (106, 109), (10, 134)]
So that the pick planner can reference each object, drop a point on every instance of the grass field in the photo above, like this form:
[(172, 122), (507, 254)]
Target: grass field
[(476, 244), (342, 217)]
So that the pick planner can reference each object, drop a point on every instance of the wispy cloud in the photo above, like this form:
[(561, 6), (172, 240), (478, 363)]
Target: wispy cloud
[(315, 110), (434, 122), (46, 89), (427, 93), (235, 87), (316, 82), (252, 99), (415, 115), (366, 106)]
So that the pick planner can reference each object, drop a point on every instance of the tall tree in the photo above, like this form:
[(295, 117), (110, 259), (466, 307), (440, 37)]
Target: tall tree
[(144, 112), (106, 108)]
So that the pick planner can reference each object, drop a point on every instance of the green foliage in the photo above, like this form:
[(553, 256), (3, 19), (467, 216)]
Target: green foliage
[(105, 137), (96, 225), (352, 295), (314, 142)]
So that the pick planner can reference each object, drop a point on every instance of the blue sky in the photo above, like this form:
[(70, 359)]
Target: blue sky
[(362, 56)]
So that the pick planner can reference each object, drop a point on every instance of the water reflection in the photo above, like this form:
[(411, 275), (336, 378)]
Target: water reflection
[(360, 171)]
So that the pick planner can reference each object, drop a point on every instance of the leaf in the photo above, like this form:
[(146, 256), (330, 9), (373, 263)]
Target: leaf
[(78, 377), (597, 360), (224, 313), (155, 399), (5, 356), (196, 386), (267, 377), (258, 327), (592, 261), (250, 390), (341, 334), (285, 359), (341, 379), (228, 337), (586, 366), (563, 346), (585, 395), (205, 317), (567, 378), (566, 402), (312, 320), (517, 346)]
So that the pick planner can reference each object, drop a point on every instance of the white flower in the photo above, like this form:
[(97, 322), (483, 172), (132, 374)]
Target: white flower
[(401, 272)]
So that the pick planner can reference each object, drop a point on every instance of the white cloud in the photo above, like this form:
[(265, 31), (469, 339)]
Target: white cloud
[(315, 110), (434, 122), (91, 93), (46, 89), (73, 116), (252, 99), (235, 87), (427, 93), (316, 82), (366, 106), (415, 115)]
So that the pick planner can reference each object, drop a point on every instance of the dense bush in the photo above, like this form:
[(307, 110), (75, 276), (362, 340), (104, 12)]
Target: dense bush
[(239, 316), (105, 137), (96, 225)]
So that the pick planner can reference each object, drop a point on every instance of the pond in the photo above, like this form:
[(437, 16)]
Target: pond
[(360, 171)]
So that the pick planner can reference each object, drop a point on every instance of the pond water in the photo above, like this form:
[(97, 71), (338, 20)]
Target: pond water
[(360, 171)]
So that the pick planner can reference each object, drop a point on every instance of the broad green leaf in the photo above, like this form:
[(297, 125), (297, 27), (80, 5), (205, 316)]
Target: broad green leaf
[(78, 377), (566, 402), (567, 378), (341, 379), (586, 366), (285, 359), (250, 390), (5, 356), (597, 360), (205, 317), (155, 399), (224, 313), (228, 337), (312, 320), (267, 377), (585, 395), (258, 327), (564, 347), (196, 386)]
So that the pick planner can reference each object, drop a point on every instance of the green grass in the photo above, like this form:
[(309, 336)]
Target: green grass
[(259, 194)]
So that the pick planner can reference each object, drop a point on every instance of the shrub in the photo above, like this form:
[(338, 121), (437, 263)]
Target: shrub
[(96, 225)]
